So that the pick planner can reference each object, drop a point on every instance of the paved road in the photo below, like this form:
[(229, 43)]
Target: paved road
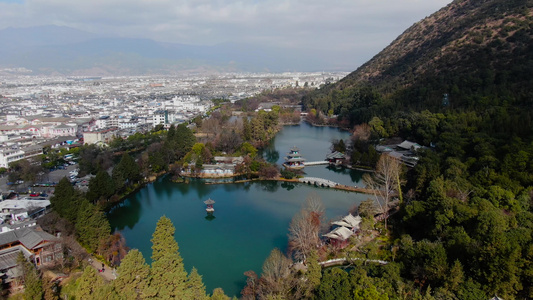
[(53, 176)]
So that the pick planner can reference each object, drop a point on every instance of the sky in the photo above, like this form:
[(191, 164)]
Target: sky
[(357, 28)]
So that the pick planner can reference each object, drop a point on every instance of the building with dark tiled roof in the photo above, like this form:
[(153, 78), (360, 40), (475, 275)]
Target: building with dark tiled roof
[(40, 247)]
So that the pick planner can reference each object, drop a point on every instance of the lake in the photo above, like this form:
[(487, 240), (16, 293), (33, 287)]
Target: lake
[(250, 219)]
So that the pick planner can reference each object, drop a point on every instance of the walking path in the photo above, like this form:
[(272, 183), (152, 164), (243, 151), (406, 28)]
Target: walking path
[(343, 261), (108, 273)]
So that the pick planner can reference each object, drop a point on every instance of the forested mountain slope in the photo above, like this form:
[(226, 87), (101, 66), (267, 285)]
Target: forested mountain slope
[(480, 53), (461, 83)]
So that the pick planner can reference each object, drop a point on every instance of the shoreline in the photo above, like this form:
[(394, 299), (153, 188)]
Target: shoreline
[(153, 177)]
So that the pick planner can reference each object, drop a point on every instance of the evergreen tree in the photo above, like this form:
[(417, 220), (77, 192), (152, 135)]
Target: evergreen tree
[(92, 226), (246, 129), (65, 200), (33, 286), (185, 139), (119, 177), (363, 287), (313, 274), (132, 275), (126, 171), (334, 285), (88, 284), (195, 286), (108, 292), (168, 277), (171, 134), (218, 294), (51, 289), (100, 186)]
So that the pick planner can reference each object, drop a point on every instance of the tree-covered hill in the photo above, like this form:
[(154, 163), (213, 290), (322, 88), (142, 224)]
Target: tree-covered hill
[(480, 53), (460, 82)]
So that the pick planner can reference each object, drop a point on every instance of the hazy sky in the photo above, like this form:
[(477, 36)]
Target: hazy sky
[(354, 27)]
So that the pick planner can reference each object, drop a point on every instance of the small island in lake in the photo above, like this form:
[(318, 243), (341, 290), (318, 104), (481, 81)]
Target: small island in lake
[(294, 159)]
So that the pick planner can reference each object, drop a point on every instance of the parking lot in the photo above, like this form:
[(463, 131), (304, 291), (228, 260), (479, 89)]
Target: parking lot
[(26, 187)]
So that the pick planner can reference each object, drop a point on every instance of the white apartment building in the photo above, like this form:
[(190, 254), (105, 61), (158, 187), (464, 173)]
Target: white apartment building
[(127, 123), (10, 155), (160, 117)]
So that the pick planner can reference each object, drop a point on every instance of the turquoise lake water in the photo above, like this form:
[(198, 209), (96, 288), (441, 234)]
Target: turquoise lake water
[(250, 218)]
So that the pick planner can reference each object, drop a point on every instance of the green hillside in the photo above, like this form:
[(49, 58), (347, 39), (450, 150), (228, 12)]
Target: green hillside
[(461, 83), (480, 53)]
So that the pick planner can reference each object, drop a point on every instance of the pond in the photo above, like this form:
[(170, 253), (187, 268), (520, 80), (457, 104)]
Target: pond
[(250, 219)]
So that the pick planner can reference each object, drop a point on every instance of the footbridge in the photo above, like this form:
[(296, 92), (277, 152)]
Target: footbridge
[(316, 163), (318, 181)]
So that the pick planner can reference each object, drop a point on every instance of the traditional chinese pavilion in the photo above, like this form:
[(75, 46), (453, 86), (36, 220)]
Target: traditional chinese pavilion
[(294, 159), (335, 158), (209, 202)]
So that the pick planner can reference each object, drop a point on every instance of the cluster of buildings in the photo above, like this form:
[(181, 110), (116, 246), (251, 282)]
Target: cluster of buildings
[(36, 112), (405, 152), (342, 231), (19, 234)]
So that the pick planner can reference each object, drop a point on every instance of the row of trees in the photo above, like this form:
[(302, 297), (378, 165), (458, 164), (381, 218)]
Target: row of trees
[(165, 278), (92, 228)]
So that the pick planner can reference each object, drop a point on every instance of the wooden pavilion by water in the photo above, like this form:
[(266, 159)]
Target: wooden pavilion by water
[(209, 202)]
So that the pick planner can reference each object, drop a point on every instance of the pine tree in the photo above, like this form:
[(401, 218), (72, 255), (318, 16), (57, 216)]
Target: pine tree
[(171, 134), (65, 200), (132, 275), (168, 276), (246, 130), (92, 226), (195, 285), (100, 186), (88, 284), (33, 286), (51, 289), (125, 171), (185, 139), (313, 274), (218, 294), (118, 175)]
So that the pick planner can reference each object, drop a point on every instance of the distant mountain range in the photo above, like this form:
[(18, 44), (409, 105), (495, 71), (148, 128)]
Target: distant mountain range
[(68, 51)]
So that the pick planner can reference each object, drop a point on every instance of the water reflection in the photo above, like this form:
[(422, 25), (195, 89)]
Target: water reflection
[(269, 185), (210, 217), (271, 155), (288, 186), (131, 209)]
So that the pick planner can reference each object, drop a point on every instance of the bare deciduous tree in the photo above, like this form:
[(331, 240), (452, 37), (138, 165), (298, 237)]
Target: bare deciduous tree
[(305, 227), (275, 279), (385, 182), (361, 132)]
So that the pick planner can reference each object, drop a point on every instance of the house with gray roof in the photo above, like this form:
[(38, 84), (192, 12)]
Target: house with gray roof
[(40, 247)]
